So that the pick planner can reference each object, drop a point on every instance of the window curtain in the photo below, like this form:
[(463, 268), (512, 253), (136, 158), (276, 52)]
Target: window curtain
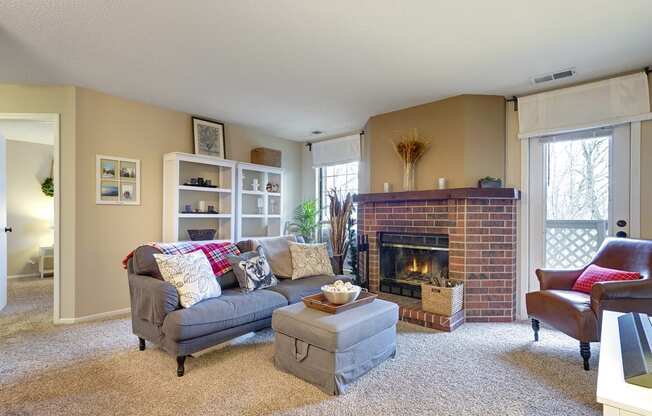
[(336, 151), (609, 102)]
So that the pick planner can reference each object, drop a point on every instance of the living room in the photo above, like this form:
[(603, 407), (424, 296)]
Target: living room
[(478, 145)]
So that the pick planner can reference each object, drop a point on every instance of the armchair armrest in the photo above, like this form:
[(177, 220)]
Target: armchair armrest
[(151, 299), (624, 289), (557, 279)]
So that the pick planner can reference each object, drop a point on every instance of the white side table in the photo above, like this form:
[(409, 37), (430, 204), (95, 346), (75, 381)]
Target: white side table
[(45, 253), (617, 397)]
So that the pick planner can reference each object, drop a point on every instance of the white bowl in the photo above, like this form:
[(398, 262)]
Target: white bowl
[(340, 298)]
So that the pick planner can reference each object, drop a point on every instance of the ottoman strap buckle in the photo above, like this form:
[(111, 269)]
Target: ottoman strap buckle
[(300, 349)]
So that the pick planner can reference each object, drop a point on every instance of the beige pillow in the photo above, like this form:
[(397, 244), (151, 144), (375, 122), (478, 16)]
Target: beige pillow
[(310, 260), (277, 253)]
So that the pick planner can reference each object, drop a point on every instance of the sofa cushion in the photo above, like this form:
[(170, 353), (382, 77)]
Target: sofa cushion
[(277, 251), (310, 260), (294, 290), (191, 274), (232, 309), (252, 270)]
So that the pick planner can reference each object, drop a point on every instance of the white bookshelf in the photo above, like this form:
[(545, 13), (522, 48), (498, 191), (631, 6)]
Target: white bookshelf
[(259, 212), (178, 168)]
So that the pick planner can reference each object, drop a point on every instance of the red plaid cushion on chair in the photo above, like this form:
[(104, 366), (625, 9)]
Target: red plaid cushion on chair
[(594, 274), (217, 254)]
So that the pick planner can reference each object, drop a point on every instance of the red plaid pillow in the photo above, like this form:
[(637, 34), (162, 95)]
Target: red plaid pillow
[(594, 274), (217, 254)]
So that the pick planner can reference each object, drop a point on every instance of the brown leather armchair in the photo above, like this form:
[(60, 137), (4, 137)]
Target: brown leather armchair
[(578, 314)]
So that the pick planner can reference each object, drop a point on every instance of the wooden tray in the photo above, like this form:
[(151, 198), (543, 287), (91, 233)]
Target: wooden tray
[(320, 303)]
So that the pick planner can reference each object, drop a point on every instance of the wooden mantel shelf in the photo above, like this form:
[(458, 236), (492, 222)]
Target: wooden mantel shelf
[(435, 194)]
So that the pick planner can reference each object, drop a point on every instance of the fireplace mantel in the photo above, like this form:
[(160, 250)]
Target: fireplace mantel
[(441, 194)]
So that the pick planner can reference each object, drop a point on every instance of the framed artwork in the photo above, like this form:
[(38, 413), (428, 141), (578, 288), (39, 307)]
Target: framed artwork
[(117, 180), (209, 137)]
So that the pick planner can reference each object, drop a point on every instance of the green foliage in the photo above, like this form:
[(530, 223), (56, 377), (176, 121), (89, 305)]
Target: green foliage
[(305, 219), (48, 186)]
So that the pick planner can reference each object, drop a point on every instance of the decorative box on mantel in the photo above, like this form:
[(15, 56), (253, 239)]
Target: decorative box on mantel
[(466, 234)]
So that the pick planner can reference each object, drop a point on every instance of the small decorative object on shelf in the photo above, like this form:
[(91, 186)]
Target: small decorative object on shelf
[(269, 187), (201, 235), (255, 185), (200, 183), (260, 206), (442, 183), (410, 149), (387, 187), (264, 156), (187, 208), (490, 182), (276, 187)]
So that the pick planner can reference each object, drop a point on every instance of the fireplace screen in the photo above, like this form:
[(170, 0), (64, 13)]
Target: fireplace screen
[(408, 260)]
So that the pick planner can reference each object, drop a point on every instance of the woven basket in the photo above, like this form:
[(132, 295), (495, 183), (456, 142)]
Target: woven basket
[(446, 301)]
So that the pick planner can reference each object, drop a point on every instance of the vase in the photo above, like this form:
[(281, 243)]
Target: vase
[(409, 176)]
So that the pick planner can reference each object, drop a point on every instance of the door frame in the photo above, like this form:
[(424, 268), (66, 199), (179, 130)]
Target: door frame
[(55, 119), (525, 275)]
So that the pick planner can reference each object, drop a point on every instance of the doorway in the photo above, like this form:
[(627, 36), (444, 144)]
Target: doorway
[(580, 190), (29, 278)]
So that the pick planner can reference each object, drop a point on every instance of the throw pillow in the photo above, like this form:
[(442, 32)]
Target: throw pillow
[(253, 270), (310, 260), (191, 274), (277, 253), (594, 274)]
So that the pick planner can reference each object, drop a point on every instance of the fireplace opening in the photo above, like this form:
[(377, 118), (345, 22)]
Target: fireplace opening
[(408, 260)]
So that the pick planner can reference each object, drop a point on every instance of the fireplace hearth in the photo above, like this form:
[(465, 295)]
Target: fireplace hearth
[(408, 260)]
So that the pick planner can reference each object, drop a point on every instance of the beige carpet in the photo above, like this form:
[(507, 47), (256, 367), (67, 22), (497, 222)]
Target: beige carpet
[(96, 369)]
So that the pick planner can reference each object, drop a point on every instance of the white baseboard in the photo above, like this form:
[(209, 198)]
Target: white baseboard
[(94, 317), (19, 276)]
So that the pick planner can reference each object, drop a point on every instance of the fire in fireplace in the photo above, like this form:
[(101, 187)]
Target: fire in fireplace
[(408, 260)]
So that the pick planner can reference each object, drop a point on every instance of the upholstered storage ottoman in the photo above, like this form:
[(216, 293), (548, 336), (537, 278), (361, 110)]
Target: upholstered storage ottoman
[(333, 350)]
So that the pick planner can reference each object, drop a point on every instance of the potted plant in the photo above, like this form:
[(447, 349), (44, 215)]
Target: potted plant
[(305, 220), (490, 182)]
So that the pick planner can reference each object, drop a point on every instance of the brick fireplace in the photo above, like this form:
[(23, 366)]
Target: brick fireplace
[(480, 225)]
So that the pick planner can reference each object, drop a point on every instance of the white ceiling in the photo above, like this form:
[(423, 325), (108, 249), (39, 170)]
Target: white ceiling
[(32, 131), (289, 67)]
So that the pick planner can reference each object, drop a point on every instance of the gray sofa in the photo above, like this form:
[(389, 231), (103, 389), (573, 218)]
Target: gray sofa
[(157, 317)]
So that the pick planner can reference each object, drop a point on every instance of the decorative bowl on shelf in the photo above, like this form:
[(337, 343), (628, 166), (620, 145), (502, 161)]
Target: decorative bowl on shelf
[(202, 235), (341, 293)]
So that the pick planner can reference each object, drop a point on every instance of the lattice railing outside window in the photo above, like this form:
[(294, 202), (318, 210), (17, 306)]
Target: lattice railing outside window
[(571, 244)]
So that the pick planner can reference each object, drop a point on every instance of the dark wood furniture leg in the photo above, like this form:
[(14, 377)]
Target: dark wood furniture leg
[(180, 365), (585, 352), (535, 328), (141, 344)]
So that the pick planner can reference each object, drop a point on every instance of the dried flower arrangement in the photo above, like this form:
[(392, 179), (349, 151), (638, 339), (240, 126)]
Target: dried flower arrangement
[(410, 148), (339, 210)]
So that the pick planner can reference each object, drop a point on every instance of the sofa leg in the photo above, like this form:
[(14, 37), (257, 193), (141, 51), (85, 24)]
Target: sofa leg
[(181, 365), (535, 328), (141, 344), (585, 352)]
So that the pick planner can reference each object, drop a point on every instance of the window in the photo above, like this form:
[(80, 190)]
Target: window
[(343, 177)]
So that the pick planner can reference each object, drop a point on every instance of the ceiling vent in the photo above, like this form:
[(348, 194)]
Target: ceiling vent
[(554, 76)]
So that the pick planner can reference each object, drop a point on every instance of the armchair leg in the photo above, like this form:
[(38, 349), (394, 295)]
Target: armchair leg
[(535, 328), (585, 352), (181, 365), (141, 344)]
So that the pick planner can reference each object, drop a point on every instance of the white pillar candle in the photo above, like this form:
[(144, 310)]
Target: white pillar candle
[(387, 187), (202, 206), (441, 182)]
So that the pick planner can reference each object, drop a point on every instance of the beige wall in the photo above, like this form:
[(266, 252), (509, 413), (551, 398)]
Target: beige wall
[(106, 233), (467, 136), (60, 100), (29, 212)]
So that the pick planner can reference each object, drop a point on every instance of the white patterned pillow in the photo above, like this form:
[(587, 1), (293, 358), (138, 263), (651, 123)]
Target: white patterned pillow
[(191, 274), (310, 260)]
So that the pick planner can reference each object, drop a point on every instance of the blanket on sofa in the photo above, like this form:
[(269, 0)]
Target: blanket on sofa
[(216, 253)]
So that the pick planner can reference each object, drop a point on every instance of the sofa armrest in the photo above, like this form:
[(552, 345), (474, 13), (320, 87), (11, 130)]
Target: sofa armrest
[(151, 299), (557, 279)]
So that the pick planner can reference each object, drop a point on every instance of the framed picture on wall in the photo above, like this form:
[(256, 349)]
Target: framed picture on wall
[(209, 137), (117, 180)]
